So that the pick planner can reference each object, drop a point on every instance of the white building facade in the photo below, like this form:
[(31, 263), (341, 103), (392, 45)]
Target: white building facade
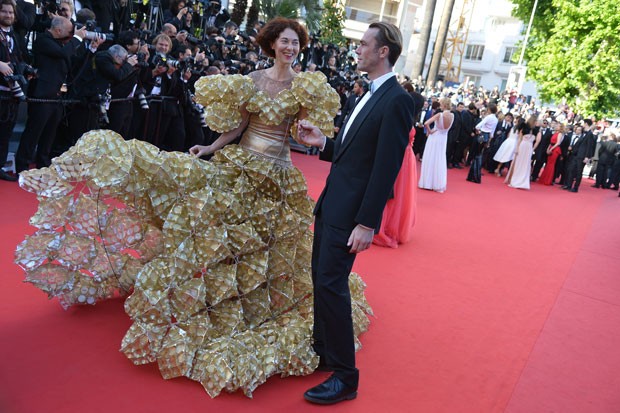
[(489, 50)]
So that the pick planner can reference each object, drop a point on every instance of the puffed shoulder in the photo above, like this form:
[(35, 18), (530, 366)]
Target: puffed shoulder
[(320, 100), (222, 96)]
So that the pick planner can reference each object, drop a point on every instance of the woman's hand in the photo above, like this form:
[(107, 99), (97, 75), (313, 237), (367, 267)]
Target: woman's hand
[(200, 150)]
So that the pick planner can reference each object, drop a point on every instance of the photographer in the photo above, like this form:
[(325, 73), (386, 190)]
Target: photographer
[(123, 113), (52, 55), (215, 15), (10, 58), (24, 19), (164, 124)]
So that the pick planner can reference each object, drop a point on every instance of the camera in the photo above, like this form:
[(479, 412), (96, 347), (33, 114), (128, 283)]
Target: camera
[(165, 61), (103, 102), (92, 33), (142, 60), (18, 80), (144, 104)]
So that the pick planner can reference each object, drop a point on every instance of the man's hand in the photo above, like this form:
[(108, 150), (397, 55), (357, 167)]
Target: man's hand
[(96, 42), (181, 36), (132, 60), (360, 239), (310, 135), (5, 69), (81, 33)]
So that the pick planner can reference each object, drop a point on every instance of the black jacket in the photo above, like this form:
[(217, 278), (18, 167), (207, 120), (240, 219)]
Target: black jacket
[(365, 166), (53, 59)]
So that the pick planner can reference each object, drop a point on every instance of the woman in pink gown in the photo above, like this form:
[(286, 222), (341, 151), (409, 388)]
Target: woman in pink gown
[(399, 213), (553, 153)]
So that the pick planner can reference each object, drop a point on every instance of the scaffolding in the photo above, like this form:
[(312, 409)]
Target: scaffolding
[(456, 42)]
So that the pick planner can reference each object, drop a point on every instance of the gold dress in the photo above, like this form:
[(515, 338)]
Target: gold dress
[(216, 255)]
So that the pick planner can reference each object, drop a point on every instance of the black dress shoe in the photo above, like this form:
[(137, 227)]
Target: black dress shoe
[(7, 177), (333, 390), (574, 190), (566, 188)]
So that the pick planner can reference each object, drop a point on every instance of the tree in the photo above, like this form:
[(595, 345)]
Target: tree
[(332, 23), (253, 13), (238, 13), (574, 53), (293, 9)]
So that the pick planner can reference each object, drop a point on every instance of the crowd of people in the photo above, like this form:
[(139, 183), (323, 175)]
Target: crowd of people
[(527, 142), (82, 73)]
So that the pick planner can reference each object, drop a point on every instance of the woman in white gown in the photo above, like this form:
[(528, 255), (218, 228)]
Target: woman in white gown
[(434, 173), (506, 151), (521, 168)]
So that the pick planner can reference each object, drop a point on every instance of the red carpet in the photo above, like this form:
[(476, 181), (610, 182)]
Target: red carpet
[(506, 300)]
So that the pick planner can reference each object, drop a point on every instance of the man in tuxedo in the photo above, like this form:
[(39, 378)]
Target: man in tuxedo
[(540, 155), (580, 151), (502, 131), (453, 136), (560, 165), (356, 94), (366, 156), (10, 56), (52, 50)]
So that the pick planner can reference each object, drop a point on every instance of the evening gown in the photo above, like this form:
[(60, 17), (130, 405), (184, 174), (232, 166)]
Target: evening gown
[(548, 173), (434, 171), (399, 213), (216, 255), (521, 168), (506, 151)]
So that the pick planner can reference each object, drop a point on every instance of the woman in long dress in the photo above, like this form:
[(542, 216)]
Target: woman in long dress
[(553, 153), (217, 253), (399, 213), (506, 151), (521, 168), (434, 171)]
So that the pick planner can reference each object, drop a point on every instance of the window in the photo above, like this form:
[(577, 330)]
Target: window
[(474, 52), (510, 51), (471, 79)]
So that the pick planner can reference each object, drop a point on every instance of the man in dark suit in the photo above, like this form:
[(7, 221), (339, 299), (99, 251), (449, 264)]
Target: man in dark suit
[(540, 155), (366, 156), (502, 131), (52, 53), (580, 151), (453, 136), (466, 135), (606, 157), (347, 109)]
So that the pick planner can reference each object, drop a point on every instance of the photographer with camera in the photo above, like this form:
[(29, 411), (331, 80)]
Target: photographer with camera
[(10, 89), (214, 15), (164, 123), (52, 51), (123, 113)]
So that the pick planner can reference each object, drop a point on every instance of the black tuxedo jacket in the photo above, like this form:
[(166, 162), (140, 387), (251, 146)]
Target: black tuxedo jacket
[(365, 166), (454, 133), (347, 109), (467, 125), (53, 59), (545, 140), (583, 147)]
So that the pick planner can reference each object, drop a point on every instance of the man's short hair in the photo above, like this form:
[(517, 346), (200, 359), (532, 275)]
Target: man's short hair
[(389, 35), (230, 24), (127, 37), (118, 51), (588, 122), (84, 15)]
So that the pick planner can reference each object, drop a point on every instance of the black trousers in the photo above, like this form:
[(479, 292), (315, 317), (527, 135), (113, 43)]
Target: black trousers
[(333, 324), (603, 171), (8, 118), (539, 160), (166, 130), (39, 135), (574, 171), (475, 153), (121, 115)]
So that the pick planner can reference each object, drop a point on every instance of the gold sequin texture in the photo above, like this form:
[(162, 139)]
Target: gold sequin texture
[(216, 256)]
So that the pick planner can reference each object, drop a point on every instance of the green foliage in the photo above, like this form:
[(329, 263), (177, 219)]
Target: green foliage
[(238, 13), (332, 23), (574, 53), (309, 10)]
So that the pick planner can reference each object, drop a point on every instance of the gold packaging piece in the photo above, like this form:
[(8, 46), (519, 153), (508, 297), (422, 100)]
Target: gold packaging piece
[(216, 254)]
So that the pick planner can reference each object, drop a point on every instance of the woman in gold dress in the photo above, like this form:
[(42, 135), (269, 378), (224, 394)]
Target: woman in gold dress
[(216, 255)]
